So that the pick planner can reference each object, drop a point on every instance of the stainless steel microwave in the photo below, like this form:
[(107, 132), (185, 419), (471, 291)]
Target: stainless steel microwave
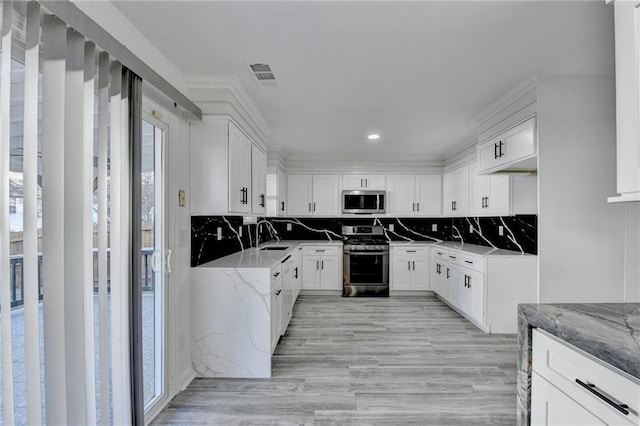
[(363, 202)]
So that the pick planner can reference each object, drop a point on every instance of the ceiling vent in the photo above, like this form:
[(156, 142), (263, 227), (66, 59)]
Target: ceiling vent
[(263, 73)]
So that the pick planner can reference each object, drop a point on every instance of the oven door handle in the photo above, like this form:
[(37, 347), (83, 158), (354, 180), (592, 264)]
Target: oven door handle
[(368, 253)]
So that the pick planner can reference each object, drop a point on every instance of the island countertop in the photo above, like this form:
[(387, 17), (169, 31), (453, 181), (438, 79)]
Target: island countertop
[(607, 331), (257, 258)]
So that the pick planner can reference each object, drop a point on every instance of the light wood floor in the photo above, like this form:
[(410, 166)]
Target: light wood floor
[(365, 361)]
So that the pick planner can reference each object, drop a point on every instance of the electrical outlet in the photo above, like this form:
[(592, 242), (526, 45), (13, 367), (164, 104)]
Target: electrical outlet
[(434, 227), (240, 231), (289, 227), (471, 229), (219, 233), (392, 227), (501, 230)]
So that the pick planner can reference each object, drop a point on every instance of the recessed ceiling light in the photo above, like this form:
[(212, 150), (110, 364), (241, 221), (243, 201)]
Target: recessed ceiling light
[(373, 136)]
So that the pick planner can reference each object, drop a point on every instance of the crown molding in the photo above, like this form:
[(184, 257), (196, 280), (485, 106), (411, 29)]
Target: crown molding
[(212, 89), (355, 163), (277, 159), (508, 98), (464, 153)]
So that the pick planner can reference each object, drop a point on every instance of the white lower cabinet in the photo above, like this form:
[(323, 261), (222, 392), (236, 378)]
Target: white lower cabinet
[(484, 289), (409, 268), (276, 304), (569, 387), (322, 267), (550, 406)]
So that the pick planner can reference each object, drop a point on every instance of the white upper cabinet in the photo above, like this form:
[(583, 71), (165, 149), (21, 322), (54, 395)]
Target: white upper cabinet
[(239, 171), (281, 196), (258, 181), (222, 176), (428, 195), (490, 194), (455, 185), (627, 43), (515, 149), (326, 195), (363, 182), (313, 195), (299, 195), (414, 195)]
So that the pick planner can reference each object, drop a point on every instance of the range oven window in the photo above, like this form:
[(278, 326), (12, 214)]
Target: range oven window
[(366, 268)]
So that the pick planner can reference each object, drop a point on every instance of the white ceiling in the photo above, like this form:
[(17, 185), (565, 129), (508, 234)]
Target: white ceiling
[(416, 72)]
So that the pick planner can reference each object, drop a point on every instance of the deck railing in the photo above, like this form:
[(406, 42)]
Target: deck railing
[(17, 275)]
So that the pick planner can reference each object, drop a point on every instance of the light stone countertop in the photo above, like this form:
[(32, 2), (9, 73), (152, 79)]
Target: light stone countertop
[(256, 258), (480, 250)]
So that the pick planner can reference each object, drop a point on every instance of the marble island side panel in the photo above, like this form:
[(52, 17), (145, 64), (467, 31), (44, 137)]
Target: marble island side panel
[(230, 322), (607, 331)]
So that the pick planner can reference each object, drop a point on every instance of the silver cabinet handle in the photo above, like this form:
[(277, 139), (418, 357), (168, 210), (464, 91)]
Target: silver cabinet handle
[(408, 265), (414, 265), (413, 208), (309, 206), (168, 261), (317, 264), (361, 183), (322, 264), (366, 183), (314, 207), (278, 292), (418, 207), (276, 275)]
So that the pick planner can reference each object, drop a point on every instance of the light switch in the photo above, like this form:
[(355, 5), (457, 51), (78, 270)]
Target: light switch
[(289, 227), (183, 238), (181, 198), (501, 230), (219, 233), (434, 227), (240, 231), (391, 227), (471, 229)]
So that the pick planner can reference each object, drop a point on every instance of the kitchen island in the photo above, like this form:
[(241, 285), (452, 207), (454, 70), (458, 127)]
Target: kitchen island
[(239, 307), (608, 332)]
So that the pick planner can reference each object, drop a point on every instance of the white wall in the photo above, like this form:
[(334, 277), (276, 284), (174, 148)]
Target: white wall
[(109, 17), (581, 238)]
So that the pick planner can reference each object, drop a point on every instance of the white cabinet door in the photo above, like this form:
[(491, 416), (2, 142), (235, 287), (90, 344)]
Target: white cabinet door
[(498, 201), (402, 273), (436, 275), (330, 273), (453, 292), (326, 195), (375, 182), (239, 171), (420, 272), (353, 182), (475, 284), (519, 142), (479, 191), (449, 191), (428, 195), (299, 195), (311, 272), (627, 47), (281, 193), (258, 181), (552, 407), (401, 195), (462, 193)]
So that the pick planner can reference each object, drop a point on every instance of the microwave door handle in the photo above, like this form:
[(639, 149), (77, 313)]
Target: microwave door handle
[(377, 202)]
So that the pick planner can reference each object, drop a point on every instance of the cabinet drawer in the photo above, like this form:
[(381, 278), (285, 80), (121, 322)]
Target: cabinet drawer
[(590, 383), (321, 250), (415, 251), (440, 254), (471, 262)]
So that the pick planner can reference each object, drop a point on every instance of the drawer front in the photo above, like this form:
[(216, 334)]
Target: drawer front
[(321, 250), (422, 251), (440, 254), (588, 382), (471, 262)]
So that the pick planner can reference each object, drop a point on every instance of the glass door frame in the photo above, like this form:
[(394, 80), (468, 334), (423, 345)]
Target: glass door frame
[(162, 390)]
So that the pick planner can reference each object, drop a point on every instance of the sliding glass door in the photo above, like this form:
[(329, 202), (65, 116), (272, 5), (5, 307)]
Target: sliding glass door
[(154, 262)]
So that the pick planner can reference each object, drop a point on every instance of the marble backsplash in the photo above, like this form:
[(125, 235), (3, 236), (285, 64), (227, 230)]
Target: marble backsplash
[(519, 232)]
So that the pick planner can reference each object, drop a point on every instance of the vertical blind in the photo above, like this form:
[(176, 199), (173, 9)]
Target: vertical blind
[(65, 160)]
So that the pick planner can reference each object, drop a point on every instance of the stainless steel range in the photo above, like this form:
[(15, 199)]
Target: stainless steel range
[(366, 261)]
